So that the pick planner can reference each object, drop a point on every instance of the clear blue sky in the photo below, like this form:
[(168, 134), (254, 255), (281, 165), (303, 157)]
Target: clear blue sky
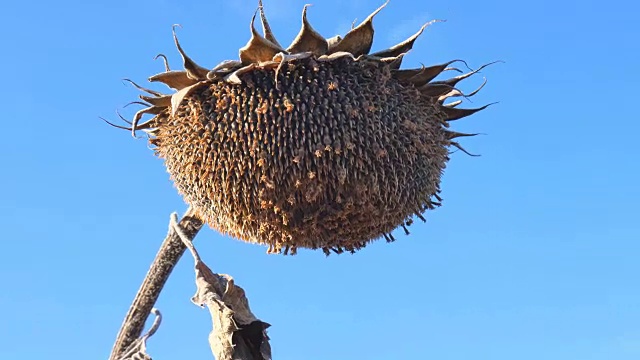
[(534, 254)]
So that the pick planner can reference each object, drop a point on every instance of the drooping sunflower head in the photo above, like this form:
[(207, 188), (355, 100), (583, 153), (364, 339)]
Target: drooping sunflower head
[(320, 145)]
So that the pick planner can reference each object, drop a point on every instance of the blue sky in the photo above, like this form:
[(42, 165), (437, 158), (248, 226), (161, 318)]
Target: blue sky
[(534, 254)]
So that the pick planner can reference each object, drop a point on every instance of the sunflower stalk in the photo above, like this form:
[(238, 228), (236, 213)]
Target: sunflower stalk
[(237, 334), (138, 349), (167, 257)]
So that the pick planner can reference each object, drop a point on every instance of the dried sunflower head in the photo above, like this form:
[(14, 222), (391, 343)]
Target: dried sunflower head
[(318, 145)]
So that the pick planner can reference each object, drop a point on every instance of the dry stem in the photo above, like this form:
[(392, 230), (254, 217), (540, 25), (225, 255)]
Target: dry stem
[(167, 257)]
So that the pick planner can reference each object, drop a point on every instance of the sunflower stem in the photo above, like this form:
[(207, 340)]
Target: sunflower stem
[(167, 257)]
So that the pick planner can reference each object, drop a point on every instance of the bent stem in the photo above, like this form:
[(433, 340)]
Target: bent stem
[(167, 257)]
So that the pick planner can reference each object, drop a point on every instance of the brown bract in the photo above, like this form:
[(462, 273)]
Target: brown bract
[(320, 145)]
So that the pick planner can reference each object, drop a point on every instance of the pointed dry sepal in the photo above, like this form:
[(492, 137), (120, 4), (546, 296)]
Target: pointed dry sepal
[(175, 79), (153, 110), (266, 29), (164, 60), (157, 100), (422, 76), (478, 89), (436, 90), (453, 92), (358, 41), (393, 63), (224, 68), (227, 66), (456, 93), (308, 40), (281, 59), (176, 99), (114, 125), (404, 46), (452, 114), (453, 81), (234, 77), (457, 145), (455, 134), (194, 71), (152, 92), (258, 49), (404, 75), (333, 41), (453, 104), (133, 103), (146, 126)]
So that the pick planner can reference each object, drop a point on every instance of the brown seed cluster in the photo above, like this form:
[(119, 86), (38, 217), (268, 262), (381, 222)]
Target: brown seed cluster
[(320, 146)]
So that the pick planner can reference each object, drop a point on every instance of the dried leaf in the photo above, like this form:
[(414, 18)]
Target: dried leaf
[(237, 334)]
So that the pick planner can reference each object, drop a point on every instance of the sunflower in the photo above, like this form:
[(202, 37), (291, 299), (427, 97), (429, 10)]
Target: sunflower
[(321, 145)]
